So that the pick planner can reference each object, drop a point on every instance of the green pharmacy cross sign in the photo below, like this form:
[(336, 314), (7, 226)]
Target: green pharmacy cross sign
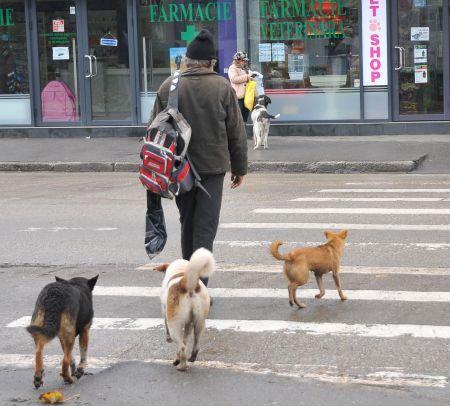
[(6, 19), (189, 34)]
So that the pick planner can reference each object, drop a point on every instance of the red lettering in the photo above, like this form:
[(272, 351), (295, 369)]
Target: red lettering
[(374, 10), (374, 39), (375, 64), (375, 52), (375, 76)]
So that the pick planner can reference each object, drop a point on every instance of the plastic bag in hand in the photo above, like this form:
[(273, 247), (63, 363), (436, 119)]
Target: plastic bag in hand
[(155, 226)]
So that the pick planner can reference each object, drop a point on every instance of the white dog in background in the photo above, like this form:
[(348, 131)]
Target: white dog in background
[(185, 301), (261, 121)]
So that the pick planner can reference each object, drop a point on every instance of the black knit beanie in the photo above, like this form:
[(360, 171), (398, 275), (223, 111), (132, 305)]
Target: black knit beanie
[(202, 47)]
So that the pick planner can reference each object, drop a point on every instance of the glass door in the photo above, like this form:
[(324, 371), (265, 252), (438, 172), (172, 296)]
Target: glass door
[(85, 63), (58, 81), (107, 63), (418, 59)]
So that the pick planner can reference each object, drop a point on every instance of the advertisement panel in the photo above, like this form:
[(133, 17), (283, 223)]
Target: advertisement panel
[(374, 42)]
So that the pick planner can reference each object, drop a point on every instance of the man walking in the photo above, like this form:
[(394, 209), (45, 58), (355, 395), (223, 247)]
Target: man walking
[(218, 141)]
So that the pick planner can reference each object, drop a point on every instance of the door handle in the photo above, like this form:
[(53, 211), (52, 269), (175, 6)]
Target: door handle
[(95, 64), (401, 53), (89, 75)]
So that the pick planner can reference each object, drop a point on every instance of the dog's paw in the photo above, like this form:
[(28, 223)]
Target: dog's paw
[(176, 362), (343, 297), (291, 304), (193, 356), (301, 305), (319, 295), (67, 379), (38, 381), (169, 339), (182, 367), (78, 373)]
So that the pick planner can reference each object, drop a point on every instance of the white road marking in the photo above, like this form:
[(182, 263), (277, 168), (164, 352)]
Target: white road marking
[(382, 227), (375, 295), (59, 229), (365, 270), (400, 245), (353, 210), (384, 191), (371, 199), (326, 373), (262, 326)]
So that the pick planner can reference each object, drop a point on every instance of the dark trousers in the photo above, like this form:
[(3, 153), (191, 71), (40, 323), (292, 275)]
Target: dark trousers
[(199, 216), (244, 110)]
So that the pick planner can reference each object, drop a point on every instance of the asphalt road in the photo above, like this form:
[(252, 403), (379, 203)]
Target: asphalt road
[(387, 344)]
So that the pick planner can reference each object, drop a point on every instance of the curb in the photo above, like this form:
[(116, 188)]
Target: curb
[(255, 166)]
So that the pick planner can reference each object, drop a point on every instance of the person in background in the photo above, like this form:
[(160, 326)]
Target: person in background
[(239, 75), (218, 141)]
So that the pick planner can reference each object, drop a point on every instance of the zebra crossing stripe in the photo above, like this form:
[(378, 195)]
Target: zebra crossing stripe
[(353, 210), (262, 326), (321, 226), (373, 295), (387, 376), (364, 270), (371, 199), (384, 191)]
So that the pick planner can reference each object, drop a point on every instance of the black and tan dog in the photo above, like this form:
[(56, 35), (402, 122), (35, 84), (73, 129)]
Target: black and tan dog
[(64, 309), (320, 260)]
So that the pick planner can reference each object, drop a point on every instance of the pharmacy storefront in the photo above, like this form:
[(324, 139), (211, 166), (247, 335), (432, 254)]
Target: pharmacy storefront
[(97, 63)]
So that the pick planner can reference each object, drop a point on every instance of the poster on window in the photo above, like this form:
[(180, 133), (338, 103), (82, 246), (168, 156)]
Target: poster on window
[(177, 59), (420, 74), (296, 66), (420, 3), (265, 52), (58, 25), (420, 33), (374, 40), (420, 54), (278, 54), (60, 53)]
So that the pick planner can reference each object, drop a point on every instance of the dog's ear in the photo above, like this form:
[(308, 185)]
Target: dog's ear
[(343, 234), (268, 99), (161, 267), (92, 282), (58, 279), (328, 234)]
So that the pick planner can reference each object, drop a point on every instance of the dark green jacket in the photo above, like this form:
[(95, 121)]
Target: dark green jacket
[(209, 105)]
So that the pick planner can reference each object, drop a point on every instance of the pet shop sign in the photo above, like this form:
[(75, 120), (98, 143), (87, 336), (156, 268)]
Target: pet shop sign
[(6, 19), (374, 41)]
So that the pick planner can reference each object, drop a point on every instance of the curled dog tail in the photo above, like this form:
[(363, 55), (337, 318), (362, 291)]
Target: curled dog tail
[(275, 253), (201, 265)]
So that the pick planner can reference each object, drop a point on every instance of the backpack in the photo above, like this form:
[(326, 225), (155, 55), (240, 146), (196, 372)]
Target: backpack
[(166, 169), (58, 102)]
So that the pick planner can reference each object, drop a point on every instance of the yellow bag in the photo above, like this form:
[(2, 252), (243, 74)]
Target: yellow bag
[(249, 96)]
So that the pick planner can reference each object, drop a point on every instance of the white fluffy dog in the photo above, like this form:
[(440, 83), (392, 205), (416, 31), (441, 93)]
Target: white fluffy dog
[(185, 301), (261, 121)]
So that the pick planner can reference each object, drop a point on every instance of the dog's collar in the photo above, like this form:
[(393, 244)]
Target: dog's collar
[(258, 106)]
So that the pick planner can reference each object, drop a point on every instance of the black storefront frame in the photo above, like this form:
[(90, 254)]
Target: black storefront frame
[(394, 59), (85, 97)]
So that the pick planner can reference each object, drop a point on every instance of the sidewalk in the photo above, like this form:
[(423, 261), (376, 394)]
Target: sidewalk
[(335, 154)]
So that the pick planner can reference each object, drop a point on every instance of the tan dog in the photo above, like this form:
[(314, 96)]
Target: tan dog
[(320, 260), (185, 301)]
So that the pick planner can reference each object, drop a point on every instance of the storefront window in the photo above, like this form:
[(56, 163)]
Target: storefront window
[(14, 84), (165, 30), (308, 51)]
